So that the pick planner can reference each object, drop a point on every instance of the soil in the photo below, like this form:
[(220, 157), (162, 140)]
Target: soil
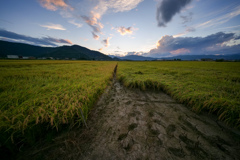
[(134, 124)]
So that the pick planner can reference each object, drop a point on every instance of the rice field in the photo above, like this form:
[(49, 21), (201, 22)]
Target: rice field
[(40, 96), (209, 86)]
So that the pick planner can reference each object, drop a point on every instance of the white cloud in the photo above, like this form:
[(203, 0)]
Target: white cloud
[(79, 25), (221, 19), (53, 26)]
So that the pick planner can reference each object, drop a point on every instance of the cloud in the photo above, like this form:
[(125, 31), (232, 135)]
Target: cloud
[(115, 6), (221, 19), (79, 25), (180, 51), (188, 29), (44, 41), (122, 5), (123, 30), (95, 36), (133, 53), (103, 6), (218, 43), (167, 9), (50, 39), (53, 26), (93, 10), (53, 5), (106, 42), (187, 18), (93, 22)]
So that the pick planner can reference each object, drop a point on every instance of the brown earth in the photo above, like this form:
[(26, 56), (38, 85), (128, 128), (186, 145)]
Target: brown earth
[(132, 124)]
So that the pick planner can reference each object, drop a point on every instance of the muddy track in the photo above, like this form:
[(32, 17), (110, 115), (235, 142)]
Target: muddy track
[(132, 124)]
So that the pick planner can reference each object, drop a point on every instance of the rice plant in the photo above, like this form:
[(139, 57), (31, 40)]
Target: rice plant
[(37, 97), (210, 86)]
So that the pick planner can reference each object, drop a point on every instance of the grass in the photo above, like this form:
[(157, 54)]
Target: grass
[(209, 86), (37, 97)]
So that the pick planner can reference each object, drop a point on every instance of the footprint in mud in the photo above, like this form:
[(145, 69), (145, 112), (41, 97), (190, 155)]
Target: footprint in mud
[(127, 143), (134, 114), (170, 130), (112, 99), (128, 102), (150, 114), (193, 147), (122, 136), (153, 131), (132, 126), (176, 151)]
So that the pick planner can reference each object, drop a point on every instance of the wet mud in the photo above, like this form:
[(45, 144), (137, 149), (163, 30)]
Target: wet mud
[(134, 124)]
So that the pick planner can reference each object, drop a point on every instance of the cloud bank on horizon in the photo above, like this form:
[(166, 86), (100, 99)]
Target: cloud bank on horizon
[(218, 43)]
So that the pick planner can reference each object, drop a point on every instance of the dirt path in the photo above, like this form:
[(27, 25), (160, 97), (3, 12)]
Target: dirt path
[(131, 124)]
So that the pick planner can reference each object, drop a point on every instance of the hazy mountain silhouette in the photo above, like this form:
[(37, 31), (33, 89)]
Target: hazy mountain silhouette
[(199, 57), (182, 57), (62, 52), (134, 58)]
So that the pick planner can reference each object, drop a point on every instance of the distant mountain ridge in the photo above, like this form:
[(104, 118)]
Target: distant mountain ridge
[(182, 57), (134, 58), (199, 57), (62, 52)]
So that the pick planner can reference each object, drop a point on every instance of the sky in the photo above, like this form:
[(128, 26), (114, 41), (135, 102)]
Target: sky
[(152, 28)]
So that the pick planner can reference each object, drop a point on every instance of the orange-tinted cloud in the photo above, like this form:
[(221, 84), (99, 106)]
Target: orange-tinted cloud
[(93, 22), (123, 30), (54, 4), (106, 41), (180, 51), (50, 39), (95, 36)]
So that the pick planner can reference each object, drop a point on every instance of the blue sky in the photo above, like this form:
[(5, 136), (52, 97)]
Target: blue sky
[(156, 28)]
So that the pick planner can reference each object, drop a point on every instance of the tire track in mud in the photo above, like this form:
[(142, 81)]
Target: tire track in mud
[(132, 124)]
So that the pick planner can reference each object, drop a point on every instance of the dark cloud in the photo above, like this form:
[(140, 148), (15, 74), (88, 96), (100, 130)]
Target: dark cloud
[(167, 9), (219, 43), (48, 41)]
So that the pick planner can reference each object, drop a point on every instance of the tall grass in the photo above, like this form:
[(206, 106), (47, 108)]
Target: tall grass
[(37, 97), (210, 86)]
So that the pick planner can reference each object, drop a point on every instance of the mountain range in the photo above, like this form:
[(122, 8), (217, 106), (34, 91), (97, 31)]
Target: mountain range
[(79, 52), (62, 52)]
